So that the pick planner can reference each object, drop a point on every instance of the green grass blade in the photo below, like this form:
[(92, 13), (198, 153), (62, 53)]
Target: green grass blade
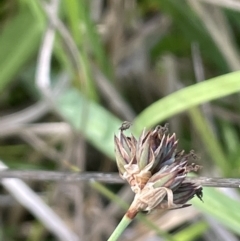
[(78, 32), (209, 141), (72, 11), (224, 209), (188, 97), (85, 36), (192, 232), (18, 43), (100, 126), (94, 39)]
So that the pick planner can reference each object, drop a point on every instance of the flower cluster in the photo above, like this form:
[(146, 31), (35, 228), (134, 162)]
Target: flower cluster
[(155, 169)]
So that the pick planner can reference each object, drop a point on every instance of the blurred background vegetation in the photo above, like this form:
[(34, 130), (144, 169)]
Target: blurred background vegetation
[(71, 71)]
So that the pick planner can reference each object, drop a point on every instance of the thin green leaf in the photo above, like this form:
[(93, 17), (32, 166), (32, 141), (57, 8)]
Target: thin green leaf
[(209, 141), (191, 232), (99, 125), (94, 39), (188, 97), (72, 10), (18, 43), (221, 207)]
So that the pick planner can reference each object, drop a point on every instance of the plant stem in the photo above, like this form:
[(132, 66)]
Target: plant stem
[(120, 228), (112, 178)]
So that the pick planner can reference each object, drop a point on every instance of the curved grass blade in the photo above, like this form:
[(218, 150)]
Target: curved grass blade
[(225, 211), (186, 98)]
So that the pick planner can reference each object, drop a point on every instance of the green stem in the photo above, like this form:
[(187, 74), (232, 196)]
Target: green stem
[(120, 228)]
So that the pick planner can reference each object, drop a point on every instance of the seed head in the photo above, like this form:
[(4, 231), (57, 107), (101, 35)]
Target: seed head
[(155, 169)]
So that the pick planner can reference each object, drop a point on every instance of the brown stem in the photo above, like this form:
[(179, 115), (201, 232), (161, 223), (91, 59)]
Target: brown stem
[(131, 212)]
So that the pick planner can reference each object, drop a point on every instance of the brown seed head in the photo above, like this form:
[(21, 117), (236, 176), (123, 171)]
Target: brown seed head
[(155, 169)]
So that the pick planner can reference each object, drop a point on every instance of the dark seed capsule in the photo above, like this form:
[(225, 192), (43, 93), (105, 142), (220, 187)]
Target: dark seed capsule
[(199, 193)]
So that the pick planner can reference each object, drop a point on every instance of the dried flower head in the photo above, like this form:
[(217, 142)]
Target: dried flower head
[(155, 169)]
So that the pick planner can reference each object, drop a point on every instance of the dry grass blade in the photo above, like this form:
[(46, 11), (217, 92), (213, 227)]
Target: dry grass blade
[(37, 207), (218, 32), (106, 178)]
